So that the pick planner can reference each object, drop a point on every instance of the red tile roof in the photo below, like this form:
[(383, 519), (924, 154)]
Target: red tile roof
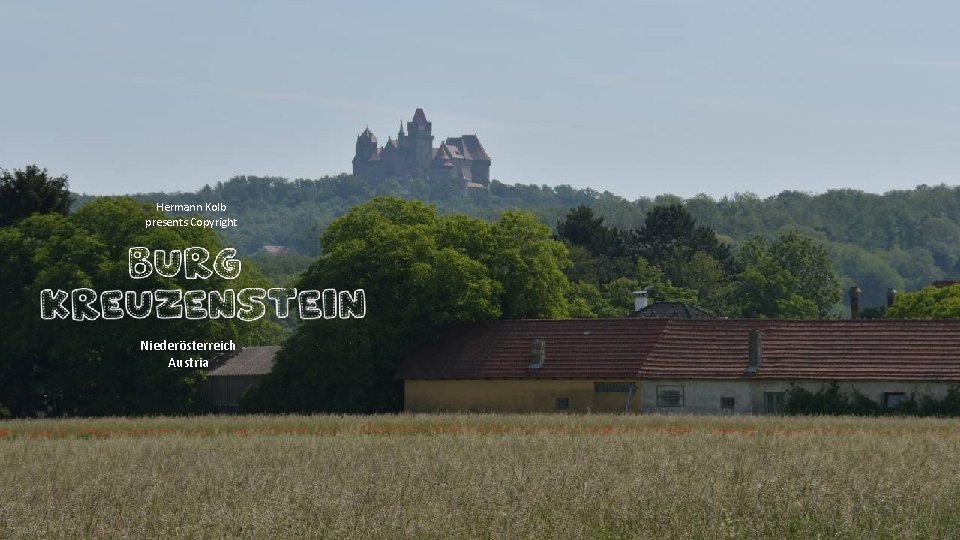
[(575, 348), (863, 350), (473, 148), (695, 349), (468, 146), (701, 349)]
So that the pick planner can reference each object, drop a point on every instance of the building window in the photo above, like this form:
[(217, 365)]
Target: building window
[(774, 402), (563, 403), (892, 399), (726, 403), (621, 387), (669, 396)]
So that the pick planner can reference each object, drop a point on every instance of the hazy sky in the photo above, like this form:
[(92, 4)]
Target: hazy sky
[(638, 98)]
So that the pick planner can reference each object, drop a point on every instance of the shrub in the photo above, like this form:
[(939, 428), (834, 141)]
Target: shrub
[(829, 400)]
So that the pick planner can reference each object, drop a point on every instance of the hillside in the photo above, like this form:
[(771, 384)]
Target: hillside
[(901, 239)]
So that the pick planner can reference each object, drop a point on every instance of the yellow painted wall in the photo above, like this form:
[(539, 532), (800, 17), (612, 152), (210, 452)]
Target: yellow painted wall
[(506, 395)]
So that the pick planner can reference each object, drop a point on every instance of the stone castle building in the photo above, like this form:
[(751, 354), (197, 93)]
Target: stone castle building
[(412, 155)]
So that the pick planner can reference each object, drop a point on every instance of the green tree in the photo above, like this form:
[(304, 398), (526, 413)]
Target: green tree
[(98, 367), (581, 227), (422, 273), (766, 290), (809, 264), (670, 231), (585, 300), (585, 267), (618, 293), (868, 270), (791, 277), (597, 251), (927, 303), (649, 277), (29, 191), (703, 274), (529, 264)]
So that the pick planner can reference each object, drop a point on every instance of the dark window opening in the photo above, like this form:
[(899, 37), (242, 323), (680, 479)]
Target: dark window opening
[(669, 396), (774, 402), (726, 402), (563, 403), (892, 399)]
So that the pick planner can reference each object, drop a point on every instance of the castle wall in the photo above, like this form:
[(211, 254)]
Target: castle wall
[(480, 171), (372, 171)]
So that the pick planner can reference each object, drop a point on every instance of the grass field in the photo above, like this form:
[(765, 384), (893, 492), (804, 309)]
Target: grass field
[(480, 476)]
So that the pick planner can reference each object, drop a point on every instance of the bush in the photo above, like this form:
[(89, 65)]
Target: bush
[(829, 400)]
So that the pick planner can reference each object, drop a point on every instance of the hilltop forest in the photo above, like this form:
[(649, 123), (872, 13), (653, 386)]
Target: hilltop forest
[(901, 239)]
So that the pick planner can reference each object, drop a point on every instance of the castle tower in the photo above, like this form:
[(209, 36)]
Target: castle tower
[(366, 152), (366, 146), (420, 143)]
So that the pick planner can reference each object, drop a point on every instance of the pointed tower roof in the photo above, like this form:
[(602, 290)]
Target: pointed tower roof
[(442, 153), (419, 118), (472, 148), (368, 135)]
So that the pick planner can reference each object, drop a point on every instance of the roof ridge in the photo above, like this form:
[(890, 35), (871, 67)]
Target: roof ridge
[(658, 343)]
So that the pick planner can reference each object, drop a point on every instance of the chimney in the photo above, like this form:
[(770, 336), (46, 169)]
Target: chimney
[(755, 349), (639, 300), (539, 353), (891, 296), (854, 303)]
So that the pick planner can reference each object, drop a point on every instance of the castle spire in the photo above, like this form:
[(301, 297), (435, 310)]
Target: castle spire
[(420, 119)]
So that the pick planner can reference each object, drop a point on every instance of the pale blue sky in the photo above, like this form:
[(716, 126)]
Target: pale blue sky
[(638, 98)]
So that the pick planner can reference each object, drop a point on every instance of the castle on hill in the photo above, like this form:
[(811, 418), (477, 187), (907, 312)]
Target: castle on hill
[(412, 155)]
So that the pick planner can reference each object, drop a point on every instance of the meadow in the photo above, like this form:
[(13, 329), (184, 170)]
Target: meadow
[(480, 476)]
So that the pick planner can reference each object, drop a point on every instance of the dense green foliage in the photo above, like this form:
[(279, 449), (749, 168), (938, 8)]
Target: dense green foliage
[(421, 272), (66, 367), (674, 258), (927, 303), (830, 400), (901, 239), (29, 191), (790, 277)]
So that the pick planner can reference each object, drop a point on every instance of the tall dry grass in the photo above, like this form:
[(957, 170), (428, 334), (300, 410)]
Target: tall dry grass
[(480, 476)]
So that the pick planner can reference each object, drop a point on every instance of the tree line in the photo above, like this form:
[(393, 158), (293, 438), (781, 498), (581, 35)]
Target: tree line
[(424, 270), (902, 239), (676, 259)]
